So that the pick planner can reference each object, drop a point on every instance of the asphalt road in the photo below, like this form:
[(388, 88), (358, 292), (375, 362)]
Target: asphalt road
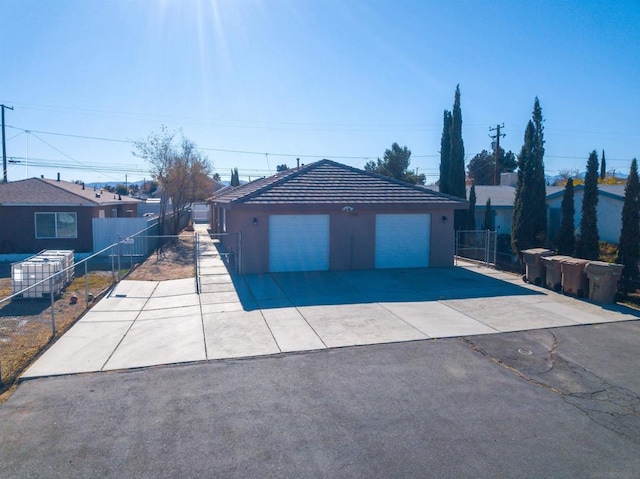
[(475, 407)]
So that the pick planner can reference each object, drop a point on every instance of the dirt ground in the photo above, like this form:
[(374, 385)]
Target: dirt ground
[(26, 325), (174, 261)]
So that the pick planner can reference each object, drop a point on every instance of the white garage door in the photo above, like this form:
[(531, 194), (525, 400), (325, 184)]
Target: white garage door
[(298, 243), (402, 241)]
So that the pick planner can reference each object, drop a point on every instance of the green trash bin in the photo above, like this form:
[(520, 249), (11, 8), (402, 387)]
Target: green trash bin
[(574, 279), (533, 263), (553, 271), (603, 280)]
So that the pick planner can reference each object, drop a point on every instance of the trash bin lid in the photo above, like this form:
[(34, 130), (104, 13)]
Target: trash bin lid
[(538, 251), (573, 263), (600, 267), (556, 258)]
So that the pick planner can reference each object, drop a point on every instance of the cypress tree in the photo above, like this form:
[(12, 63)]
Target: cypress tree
[(566, 241), (603, 167), (471, 214), (538, 205), (445, 152), (235, 177), (629, 248), (588, 246), (488, 216), (457, 185), (456, 156), (529, 209), (521, 237)]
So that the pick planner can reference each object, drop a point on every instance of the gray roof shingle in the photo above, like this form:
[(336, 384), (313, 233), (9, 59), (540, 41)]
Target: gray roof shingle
[(328, 182), (44, 192)]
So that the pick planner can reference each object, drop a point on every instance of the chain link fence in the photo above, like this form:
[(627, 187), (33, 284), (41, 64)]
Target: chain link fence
[(477, 245), (33, 316)]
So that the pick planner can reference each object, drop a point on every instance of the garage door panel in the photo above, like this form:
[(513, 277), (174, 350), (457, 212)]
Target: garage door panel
[(298, 243), (402, 240)]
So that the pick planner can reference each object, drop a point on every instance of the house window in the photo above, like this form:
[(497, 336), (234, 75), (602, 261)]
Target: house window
[(101, 214), (56, 225), (224, 221)]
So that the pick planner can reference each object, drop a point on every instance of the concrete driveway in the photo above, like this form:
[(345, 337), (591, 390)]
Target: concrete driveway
[(152, 323)]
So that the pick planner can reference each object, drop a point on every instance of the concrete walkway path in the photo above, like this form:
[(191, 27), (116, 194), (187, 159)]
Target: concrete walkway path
[(148, 323)]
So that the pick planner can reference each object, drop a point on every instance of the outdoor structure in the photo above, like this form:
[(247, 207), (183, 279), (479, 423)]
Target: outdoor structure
[(329, 216), (609, 210), (38, 214)]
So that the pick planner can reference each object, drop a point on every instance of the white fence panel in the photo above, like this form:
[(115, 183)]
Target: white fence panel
[(107, 231), (200, 212)]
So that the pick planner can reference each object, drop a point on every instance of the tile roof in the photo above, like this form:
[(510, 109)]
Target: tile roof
[(44, 192), (327, 182)]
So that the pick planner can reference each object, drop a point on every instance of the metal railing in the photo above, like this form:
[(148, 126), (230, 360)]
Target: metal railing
[(477, 245)]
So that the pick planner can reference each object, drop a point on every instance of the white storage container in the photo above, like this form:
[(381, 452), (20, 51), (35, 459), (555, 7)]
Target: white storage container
[(66, 256), (30, 272)]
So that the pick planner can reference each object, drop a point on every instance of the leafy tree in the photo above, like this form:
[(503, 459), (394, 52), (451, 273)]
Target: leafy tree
[(566, 240), (445, 153), (176, 169), (629, 249), (216, 177), (121, 189), (471, 213), (588, 246), (134, 189), (481, 168), (395, 164), (488, 217), (235, 178), (282, 167), (603, 167), (529, 211)]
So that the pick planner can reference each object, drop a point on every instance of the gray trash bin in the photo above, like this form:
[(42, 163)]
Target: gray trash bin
[(603, 280), (553, 271), (533, 264), (574, 280)]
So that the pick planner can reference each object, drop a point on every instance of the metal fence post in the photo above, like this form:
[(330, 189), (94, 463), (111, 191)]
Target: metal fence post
[(113, 265), (196, 248), (119, 255), (53, 316), (86, 283)]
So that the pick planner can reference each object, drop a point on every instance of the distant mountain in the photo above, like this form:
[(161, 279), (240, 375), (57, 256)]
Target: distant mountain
[(112, 184)]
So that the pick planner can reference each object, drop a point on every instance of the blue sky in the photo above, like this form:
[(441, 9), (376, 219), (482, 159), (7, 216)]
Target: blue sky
[(338, 79)]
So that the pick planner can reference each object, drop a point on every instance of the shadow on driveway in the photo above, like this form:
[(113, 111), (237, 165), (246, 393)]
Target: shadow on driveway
[(280, 290)]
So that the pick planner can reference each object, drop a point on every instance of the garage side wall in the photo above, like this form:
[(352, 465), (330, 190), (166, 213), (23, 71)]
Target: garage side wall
[(442, 239)]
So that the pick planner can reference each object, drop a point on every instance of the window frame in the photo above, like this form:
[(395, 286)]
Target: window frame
[(55, 224)]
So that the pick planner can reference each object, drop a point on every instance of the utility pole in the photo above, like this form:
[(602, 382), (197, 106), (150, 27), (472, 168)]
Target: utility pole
[(4, 146), (496, 173)]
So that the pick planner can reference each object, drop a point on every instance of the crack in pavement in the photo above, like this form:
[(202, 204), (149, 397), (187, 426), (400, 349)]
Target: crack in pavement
[(612, 407)]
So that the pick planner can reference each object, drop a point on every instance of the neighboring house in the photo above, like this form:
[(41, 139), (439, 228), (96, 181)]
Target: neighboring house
[(329, 216), (609, 210), (501, 205), (38, 213), (610, 201)]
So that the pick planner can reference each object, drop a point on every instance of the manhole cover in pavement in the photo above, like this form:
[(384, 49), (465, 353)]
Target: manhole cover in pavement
[(525, 351)]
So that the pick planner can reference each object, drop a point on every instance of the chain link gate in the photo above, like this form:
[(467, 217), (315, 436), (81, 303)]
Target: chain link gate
[(477, 245)]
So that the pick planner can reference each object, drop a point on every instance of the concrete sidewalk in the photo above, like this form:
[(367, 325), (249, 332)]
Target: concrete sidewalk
[(147, 323)]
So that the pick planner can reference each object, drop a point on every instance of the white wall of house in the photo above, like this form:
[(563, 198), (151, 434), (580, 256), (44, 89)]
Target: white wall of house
[(609, 211), (503, 217)]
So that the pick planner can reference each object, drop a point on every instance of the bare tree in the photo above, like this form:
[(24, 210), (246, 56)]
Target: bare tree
[(178, 170)]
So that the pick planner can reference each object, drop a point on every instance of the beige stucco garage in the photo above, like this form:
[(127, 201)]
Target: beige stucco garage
[(329, 216)]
